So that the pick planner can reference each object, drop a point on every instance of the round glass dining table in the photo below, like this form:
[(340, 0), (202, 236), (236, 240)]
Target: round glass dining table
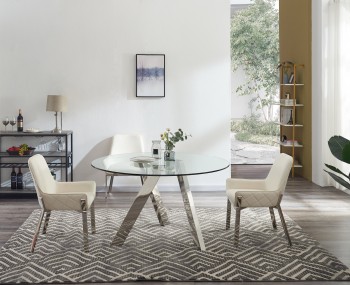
[(150, 170), (143, 164)]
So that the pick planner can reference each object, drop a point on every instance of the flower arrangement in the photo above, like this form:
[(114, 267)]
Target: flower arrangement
[(170, 138)]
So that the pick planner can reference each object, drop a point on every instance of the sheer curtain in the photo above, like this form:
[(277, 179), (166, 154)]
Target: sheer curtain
[(336, 78)]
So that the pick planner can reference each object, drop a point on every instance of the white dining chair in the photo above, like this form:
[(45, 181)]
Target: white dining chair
[(252, 193), (61, 196), (123, 143)]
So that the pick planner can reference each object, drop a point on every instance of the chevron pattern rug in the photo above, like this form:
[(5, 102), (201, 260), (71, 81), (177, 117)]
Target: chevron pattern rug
[(152, 252)]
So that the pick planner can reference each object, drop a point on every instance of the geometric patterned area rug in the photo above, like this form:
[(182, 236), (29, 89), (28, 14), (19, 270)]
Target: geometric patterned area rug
[(153, 252)]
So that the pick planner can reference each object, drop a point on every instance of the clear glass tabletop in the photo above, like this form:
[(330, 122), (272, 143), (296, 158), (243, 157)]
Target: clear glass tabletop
[(143, 164)]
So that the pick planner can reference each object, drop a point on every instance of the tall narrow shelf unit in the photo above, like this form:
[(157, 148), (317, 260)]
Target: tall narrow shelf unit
[(291, 121), (62, 160)]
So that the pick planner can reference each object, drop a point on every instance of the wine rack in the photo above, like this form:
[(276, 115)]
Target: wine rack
[(62, 160)]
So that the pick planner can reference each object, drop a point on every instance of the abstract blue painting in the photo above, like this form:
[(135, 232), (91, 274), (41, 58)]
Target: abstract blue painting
[(150, 75)]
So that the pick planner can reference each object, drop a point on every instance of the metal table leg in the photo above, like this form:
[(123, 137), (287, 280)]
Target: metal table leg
[(158, 206), (191, 212), (135, 210)]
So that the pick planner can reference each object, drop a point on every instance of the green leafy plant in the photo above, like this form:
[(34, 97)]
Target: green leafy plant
[(170, 138), (251, 129), (255, 48), (340, 148)]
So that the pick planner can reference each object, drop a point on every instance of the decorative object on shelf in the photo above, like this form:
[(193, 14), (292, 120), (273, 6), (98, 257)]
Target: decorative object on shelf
[(170, 139), (19, 179), (284, 138), (286, 69), (156, 148), (60, 144), (23, 149), (32, 130), (13, 179), (5, 121), (291, 142), (13, 121), (56, 103), (20, 121), (150, 75), (290, 122), (287, 102), (291, 78), (340, 148)]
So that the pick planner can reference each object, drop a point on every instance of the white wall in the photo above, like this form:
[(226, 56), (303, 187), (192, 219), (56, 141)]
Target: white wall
[(239, 104), (85, 49), (317, 28)]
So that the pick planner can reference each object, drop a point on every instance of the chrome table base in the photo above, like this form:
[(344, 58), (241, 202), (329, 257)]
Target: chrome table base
[(148, 190)]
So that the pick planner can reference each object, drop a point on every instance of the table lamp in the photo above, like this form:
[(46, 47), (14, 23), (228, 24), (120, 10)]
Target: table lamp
[(56, 103)]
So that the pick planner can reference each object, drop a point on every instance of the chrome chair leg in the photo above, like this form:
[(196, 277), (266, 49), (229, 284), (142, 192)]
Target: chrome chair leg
[(46, 222), (35, 237), (238, 220), (237, 223), (284, 225), (228, 214), (273, 218), (110, 186), (85, 226), (93, 220)]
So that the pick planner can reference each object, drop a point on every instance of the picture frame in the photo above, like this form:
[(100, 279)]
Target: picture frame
[(150, 75)]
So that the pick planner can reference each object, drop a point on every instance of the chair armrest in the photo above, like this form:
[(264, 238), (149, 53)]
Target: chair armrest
[(63, 201), (234, 183), (76, 187)]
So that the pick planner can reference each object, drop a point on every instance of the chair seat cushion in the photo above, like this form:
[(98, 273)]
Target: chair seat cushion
[(253, 197)]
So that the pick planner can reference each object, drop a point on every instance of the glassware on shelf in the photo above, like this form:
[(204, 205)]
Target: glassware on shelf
[(13, 121), (5, 121)]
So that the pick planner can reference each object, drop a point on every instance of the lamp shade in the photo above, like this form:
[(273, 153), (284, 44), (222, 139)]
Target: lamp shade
[(56, 103)]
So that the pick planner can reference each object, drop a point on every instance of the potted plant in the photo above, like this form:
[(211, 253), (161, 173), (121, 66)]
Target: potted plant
[(170, 139), (340, 148)]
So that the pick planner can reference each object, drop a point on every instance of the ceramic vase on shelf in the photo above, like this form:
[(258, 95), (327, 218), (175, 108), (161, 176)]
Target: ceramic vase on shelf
[(169, 154)]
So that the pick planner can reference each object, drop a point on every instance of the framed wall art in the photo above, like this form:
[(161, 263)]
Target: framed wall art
[(150, 75)]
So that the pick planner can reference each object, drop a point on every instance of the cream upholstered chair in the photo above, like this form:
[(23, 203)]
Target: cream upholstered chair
[(53, 195), (244, 193), (123, 143)]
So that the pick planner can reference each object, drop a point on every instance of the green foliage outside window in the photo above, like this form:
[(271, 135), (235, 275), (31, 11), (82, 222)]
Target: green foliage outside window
[(251, 129), (255, 48)]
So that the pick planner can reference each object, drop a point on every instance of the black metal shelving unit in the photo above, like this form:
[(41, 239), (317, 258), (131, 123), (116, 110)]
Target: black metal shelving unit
[(55, 159)]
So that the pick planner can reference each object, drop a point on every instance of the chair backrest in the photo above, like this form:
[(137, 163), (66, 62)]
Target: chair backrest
[(43, 180), (122, 143), (278, 175)]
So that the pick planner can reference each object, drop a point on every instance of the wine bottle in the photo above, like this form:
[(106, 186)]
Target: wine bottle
[(20, 121), (19, 179), (13, 179)]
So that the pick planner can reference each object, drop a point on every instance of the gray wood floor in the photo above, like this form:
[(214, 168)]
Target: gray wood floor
[(323, 213)]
